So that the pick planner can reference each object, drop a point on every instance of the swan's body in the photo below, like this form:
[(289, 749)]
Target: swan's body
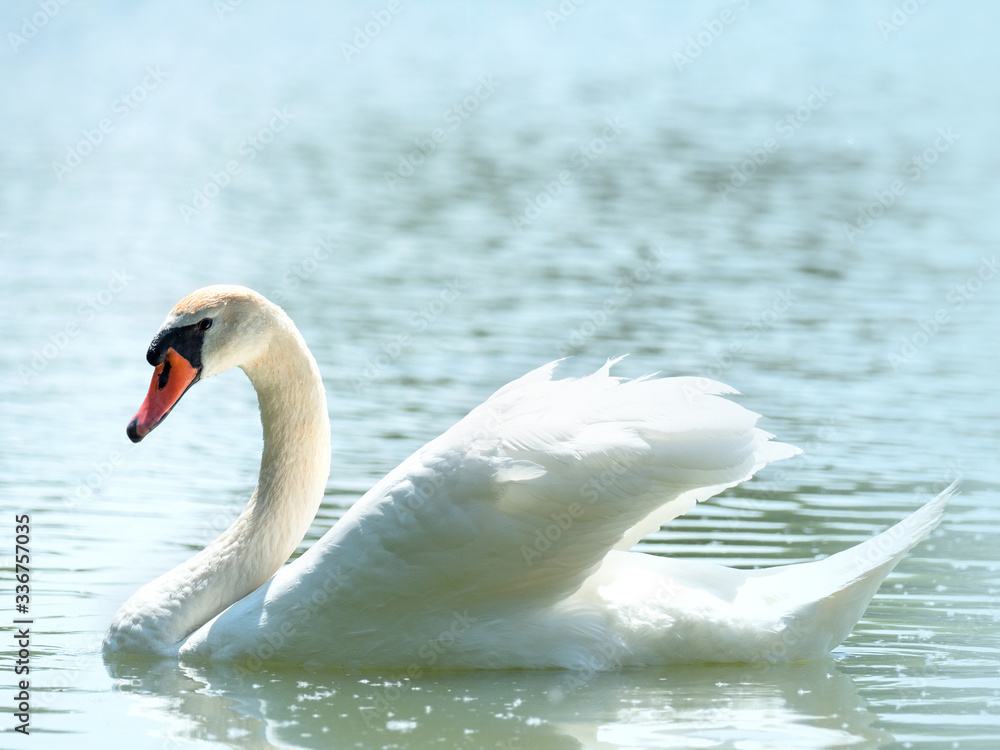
[(502, 543)]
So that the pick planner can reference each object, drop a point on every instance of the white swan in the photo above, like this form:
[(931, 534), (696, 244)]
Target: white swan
[(502, 543)]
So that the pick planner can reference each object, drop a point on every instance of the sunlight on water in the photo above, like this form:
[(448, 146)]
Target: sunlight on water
[(793, 199)]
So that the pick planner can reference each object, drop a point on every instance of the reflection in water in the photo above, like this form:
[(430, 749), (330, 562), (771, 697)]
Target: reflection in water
[(803, 705)]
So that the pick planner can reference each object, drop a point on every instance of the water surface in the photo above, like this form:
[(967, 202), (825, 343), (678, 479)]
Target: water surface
[(804, 210)]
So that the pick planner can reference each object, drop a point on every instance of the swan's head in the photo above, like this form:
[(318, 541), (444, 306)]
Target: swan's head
[(207, 332)]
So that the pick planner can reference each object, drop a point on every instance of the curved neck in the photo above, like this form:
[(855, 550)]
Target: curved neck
[(294, 469)]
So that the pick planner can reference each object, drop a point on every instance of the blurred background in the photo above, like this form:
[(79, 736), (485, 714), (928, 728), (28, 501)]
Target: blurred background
[(797, 199)]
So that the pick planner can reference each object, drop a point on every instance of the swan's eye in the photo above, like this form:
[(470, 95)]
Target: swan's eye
[(205, 324)]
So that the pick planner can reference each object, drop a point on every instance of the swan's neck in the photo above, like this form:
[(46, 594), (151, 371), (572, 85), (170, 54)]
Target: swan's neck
[(294, 469)]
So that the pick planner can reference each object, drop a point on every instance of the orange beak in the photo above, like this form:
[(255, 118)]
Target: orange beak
[(171, 379)]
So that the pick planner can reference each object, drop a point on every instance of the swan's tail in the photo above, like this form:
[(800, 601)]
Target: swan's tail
[(822, 601)]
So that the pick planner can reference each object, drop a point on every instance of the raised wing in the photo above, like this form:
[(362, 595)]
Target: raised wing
[(525, 496)]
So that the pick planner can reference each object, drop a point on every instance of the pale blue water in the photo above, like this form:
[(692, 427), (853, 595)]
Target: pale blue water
[(802, 205)]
